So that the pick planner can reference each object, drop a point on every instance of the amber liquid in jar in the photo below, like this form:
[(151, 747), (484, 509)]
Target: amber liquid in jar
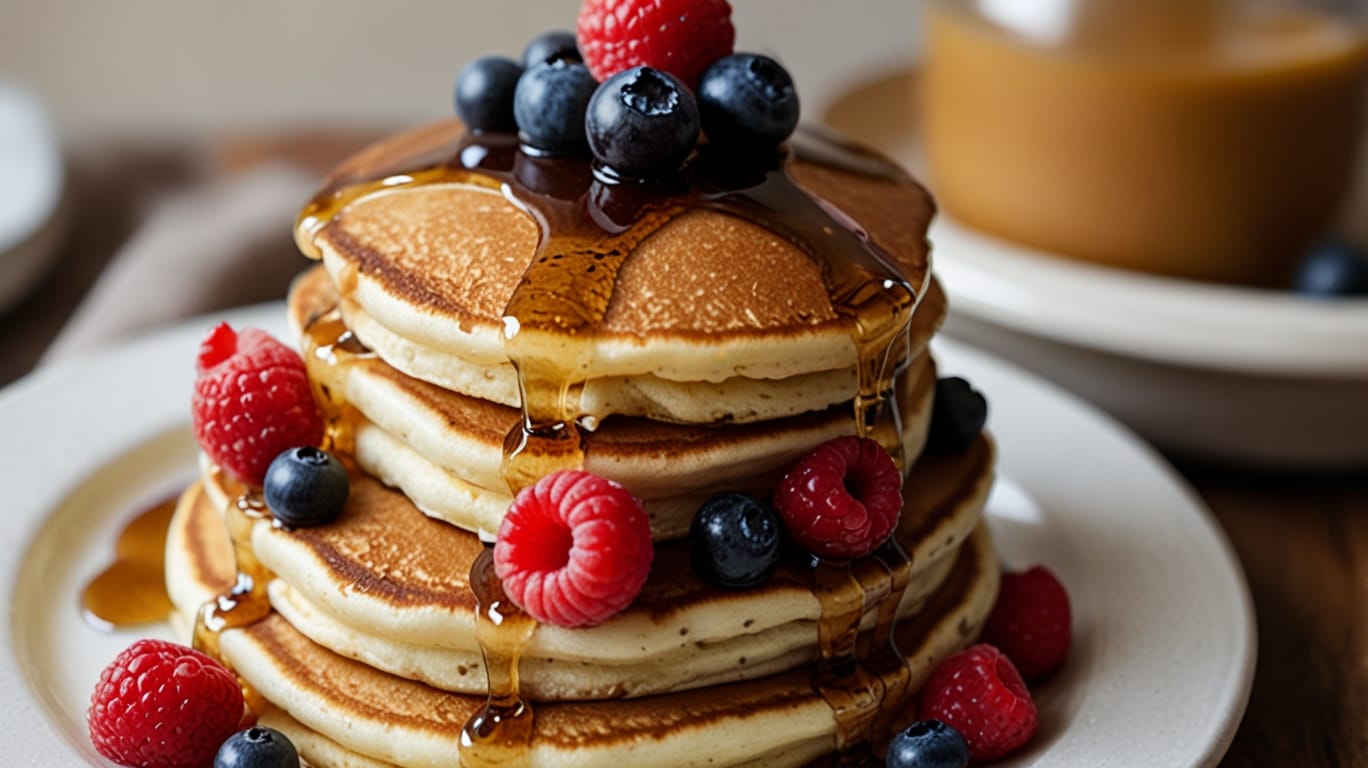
[(1207, 139)]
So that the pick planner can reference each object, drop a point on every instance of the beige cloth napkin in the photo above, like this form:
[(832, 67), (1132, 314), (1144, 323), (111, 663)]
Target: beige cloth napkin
[(225, 244)]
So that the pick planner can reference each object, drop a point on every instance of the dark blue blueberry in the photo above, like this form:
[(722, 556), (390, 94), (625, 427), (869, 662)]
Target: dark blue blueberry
[(747, 102), (1333, 268), (549, 106), (642, 123), (484, 94), (734, 540), (927, 744), (305, 486), (257, 747), (551, 46), (957, 417)]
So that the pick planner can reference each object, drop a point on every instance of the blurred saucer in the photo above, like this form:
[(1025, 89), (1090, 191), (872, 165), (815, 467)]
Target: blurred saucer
[(1210, 371), (30, 193)]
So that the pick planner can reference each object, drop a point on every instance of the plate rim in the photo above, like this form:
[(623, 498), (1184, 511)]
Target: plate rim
[(147, 413)]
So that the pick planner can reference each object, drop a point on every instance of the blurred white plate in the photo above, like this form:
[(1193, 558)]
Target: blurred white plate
[(1222, 372), (31, 178), (1164, 643)]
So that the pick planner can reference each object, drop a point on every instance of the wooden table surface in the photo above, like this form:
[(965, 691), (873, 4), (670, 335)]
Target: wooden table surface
[(1303, 539)]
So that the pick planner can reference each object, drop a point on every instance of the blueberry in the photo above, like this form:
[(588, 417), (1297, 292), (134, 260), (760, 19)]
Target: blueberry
[(1333, 268), (257, 747), (556, 44), (747, 101), (734, 540), (305, 486), (549, 105), (484, 94), (957, 416), (927, 744), (642, 123)]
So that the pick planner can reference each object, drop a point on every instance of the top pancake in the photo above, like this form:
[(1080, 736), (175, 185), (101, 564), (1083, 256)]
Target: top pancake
[(707, 296)]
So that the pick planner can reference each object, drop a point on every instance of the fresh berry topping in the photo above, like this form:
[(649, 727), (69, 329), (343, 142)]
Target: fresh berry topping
[(1333, 268), (927, 744), (681, 37), (957, 416), (257, 747), (252, 400), (1031, 622), (734, 540), (484, 94), (747, 102), (573, 549), (553, 45), (843, 499), (162, 705), (642, 123), (980, 694), (306, 486), (549, 106)]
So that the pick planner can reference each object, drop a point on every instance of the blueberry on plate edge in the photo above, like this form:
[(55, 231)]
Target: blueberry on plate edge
[(257, 747), (927, 744), (1332, 268)]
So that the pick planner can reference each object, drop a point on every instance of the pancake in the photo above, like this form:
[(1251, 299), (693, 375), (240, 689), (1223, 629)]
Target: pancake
[(445, 449), (414, 616), (695, 300), (737, 398), (775, 720)]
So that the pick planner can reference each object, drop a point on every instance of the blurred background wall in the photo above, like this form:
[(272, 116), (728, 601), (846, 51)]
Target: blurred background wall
[(171, 68)]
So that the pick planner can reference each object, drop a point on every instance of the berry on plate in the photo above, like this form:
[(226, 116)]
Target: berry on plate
[(484, 94), (681, 37), (958, 414), (549, 105), (574, 549), (980, 694), (843, 499), (927, 744), (257, 747), (642, 123), (734, 540), (162, 705), (1031, 622), (306, 486), (1333, 268), (747, 102), (252, 400), (552, 45)]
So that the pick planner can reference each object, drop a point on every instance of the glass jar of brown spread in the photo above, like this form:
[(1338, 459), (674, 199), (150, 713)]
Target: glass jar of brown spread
[(1207, 139)]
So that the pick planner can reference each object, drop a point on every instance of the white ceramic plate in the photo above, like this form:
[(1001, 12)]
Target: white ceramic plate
[(30, 193), (1164, 641), (1224, 372)]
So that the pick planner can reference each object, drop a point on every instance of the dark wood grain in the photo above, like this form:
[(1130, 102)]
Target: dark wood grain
[(1303, 542)]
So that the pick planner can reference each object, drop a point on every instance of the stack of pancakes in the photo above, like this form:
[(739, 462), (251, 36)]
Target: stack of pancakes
[(719, 360)]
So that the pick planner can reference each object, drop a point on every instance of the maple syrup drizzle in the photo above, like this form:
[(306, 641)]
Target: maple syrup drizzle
[(588, 228), (246, 602), (132, 589)]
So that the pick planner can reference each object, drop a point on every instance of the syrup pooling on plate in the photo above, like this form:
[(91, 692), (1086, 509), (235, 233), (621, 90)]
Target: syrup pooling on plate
[(132, 590), (589, 226)]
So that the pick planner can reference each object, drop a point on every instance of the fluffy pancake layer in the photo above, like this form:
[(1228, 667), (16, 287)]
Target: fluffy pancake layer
[(390, 585)]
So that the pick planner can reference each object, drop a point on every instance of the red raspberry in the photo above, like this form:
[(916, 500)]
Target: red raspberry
[(843, 499), (980, 694), (252, 400), (162, 705), (1031, 622), (574, 549), (682, 37)]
